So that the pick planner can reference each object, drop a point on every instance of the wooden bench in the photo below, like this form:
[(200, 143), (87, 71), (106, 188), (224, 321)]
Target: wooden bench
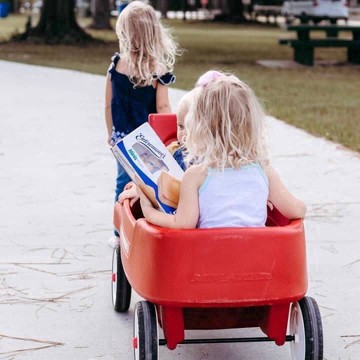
[(304, 45)]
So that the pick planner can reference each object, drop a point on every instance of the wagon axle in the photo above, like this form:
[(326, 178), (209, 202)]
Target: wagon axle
[(162, 342)]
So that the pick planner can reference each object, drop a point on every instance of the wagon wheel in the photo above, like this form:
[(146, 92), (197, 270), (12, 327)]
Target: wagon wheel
[(120, 287), (305, 324), (145, 341)]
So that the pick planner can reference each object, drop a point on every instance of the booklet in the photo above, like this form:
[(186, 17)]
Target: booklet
[(151, 166)]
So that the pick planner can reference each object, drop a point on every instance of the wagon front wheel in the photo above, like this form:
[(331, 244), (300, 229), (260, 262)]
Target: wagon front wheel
[(120, 287), (305, 325), (145, 340)]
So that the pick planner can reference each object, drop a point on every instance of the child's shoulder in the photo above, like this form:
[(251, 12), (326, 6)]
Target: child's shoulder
[(163, 76), (114, 60), (196, 174), (166, 79)]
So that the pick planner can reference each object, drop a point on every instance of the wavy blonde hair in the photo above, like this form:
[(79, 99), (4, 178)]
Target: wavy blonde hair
[(225, 125), (144, 43)]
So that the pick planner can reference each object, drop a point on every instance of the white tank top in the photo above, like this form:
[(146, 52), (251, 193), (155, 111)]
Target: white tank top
[(234, 198)]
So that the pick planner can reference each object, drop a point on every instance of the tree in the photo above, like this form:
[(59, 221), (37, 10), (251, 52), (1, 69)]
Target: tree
[(163, 7), (57, 25), (236, 8), (232, 10), (14, 5), (101, 14)]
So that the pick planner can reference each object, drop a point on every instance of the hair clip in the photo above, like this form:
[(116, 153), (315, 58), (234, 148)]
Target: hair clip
[(208, 77)]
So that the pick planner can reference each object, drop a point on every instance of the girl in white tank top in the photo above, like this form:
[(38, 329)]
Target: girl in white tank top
[(231, 181)]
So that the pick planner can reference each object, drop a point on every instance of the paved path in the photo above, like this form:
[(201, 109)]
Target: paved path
[(56, 181)]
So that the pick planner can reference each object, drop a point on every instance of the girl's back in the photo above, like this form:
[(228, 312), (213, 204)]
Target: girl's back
[(131, 105), (140, 72), (234, 198)]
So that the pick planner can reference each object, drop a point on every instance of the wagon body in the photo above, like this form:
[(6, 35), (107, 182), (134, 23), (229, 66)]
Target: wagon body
[(261, 270), (218, 278)]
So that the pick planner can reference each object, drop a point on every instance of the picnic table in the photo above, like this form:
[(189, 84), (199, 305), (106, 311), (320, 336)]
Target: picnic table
[(305, 44)]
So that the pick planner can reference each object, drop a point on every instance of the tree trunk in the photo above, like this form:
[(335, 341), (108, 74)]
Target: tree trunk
[(101, 14), (163, 7), (233, 10), (14, 6), (236, 8), (57, 25)]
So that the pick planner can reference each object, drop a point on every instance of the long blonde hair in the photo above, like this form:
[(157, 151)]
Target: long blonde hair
[(225, 124), (144, 43)]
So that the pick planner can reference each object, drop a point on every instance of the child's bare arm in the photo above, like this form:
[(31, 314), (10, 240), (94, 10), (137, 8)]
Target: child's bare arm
[(187, 214), (290, 206), (162, 99), (108, 118)]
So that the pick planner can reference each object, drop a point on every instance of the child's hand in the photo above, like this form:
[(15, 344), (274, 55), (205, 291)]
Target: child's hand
[(130, 192), (144, 200)]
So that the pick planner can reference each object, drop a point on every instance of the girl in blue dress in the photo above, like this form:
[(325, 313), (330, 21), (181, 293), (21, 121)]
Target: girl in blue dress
[(137, 80)]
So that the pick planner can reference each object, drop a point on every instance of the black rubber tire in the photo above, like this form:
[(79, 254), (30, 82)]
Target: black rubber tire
[(120, 288), (308, 325), (313, 329), (145, 331)]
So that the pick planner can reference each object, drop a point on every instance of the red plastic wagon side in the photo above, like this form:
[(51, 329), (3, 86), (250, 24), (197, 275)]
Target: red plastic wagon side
[(214, 279)]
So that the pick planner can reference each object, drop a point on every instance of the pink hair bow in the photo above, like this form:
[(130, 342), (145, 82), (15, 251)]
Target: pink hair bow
[(208, 77)]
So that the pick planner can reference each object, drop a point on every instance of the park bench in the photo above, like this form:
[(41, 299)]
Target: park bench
[(304, 45), (268, 11)]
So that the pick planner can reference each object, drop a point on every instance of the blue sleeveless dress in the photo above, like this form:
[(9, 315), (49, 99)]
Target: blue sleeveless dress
[(130, 108)]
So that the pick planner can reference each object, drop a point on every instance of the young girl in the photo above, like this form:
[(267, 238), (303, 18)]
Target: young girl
[(231, 181), (136, 83), (176, 148)]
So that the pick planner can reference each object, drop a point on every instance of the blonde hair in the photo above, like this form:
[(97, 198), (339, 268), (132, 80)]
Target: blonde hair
[(144, 43), (185, 103), (225, 125)]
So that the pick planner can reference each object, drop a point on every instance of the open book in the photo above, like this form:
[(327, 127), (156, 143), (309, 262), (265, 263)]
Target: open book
[(151, 166)]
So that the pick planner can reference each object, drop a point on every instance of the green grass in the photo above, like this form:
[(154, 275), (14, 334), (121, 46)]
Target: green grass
[(323, 100)]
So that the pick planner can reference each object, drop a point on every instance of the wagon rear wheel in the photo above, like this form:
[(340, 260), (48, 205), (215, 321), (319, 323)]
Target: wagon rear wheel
[(145, 340), (305, 325), (120, 287)]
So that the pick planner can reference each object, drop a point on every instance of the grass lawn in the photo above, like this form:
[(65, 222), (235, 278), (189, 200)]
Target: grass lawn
[(323, 100)]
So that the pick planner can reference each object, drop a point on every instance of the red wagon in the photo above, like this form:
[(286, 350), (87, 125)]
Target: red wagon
[(214, 279)]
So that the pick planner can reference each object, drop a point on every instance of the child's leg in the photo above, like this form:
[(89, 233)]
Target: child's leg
[(122, 179)]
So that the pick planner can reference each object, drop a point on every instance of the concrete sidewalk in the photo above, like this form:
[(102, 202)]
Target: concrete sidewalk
[(56, 188)]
